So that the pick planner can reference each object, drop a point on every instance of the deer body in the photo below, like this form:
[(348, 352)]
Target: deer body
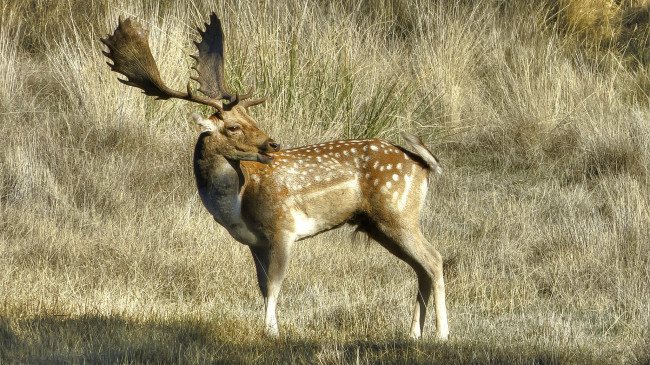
[(316, 188), (310, 189), (269, 198)]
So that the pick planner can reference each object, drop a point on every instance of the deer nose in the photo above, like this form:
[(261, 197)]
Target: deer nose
[(273, 144)]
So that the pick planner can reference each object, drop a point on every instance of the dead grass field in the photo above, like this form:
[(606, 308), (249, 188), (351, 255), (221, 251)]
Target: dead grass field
[(539, 114)]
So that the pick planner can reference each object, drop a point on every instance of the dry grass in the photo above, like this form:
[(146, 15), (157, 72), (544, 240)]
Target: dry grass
[(604, 23), (106, 254)]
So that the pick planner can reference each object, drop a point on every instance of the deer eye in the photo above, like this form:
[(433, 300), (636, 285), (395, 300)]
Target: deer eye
[(233, 128)]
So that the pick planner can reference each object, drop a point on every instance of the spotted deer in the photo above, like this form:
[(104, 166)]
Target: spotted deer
[(268, 198)]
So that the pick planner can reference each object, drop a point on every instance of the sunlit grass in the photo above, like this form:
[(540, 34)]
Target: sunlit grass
[(107, 255)]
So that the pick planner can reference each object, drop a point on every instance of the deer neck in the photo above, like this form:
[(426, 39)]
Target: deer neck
[(220, 183)]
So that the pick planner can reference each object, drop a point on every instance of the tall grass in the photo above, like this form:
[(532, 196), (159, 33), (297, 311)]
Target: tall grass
[(106, 253)]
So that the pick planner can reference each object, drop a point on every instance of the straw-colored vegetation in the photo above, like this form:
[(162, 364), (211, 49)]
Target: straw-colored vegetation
[(537, 110)]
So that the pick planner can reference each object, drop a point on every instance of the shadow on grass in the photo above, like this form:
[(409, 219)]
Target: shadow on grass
[(113, 339)]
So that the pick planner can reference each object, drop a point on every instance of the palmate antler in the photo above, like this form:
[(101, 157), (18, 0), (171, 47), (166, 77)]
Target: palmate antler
[(131, 55)]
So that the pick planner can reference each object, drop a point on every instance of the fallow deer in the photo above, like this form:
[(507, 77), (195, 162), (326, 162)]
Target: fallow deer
[(269, 198)]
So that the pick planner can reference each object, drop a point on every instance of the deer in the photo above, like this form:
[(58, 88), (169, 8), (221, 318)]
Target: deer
[(268, 198)]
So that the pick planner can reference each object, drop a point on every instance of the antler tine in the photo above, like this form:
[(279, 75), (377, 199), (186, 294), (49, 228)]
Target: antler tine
[(249, 103), (131, 55), (238, 99)]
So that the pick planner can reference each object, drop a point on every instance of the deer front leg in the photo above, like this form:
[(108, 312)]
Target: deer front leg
[(270, 264)]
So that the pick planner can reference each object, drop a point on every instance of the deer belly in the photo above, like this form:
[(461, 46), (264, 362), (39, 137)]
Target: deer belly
[(323, 208)]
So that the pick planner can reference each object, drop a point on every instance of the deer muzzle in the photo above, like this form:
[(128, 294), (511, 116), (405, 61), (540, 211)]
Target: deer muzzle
[(270, 147)]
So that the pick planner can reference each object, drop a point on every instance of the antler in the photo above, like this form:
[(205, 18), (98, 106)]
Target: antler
[(131, 55), (209, 66), (209, 62)]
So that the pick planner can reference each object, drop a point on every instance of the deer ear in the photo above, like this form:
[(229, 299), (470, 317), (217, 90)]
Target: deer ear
[(203, 124)]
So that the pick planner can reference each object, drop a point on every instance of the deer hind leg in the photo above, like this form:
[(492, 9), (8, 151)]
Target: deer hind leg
[(428, 267), (411, 246), (270, 265)]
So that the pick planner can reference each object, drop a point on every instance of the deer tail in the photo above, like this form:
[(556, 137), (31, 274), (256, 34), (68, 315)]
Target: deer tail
[(418, 148)]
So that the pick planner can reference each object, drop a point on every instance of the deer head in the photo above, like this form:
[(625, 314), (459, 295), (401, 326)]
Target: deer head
[(230, 128)]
